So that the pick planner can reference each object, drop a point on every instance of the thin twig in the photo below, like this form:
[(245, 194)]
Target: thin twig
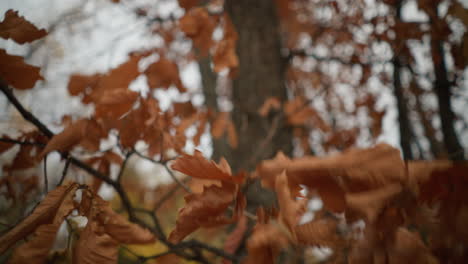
[(124, 164), (46, 180), (64, 172)]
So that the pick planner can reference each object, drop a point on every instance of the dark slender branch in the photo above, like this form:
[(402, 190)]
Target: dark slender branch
[(64, 172), (46, 180), (19, 142), (124, 164), (25, 113)]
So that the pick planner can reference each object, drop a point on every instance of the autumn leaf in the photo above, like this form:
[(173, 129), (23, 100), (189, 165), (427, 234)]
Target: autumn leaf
[(266, 242), (198, 25), (120, 228), (95, 246), (66, 139), (199, 167), (234, 239), (44, 213), (321, 232), (37, 248), (19, 29), (290, 209), (205, 209), (17, 73), (164, 73), (271, 103), (370, 203)]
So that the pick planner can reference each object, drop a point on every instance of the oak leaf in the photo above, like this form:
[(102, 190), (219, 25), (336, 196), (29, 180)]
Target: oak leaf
[(370, 203), (120, 228), (44, 213), (17, 73), (205, 209), (199, 167), (67, 139), (320, 232), (234, 239), (19, 29), (164, 73), (37, 248)]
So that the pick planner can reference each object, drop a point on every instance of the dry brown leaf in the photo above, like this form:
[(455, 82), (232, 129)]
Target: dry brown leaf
[(17, 73), (219, 125), (198, 185), (232, 135), (321, 232), (199, 167), (37, 248), (290, 209), (206, 209), (271, 103), (164, 73), (19, 29), (67, 139), (265, 243), (407, 247), (120, 228), (370, 203), (95, 246), (198, 25), (233, 240), (43, 214), (115, 103)]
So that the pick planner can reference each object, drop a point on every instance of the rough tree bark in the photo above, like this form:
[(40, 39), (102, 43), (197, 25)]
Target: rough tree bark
[(442, 87), (261, 75), (398, 92)]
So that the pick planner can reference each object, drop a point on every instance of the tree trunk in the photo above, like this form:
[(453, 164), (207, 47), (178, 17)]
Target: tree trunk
[(442, 88), (261, 75), (398, 92)]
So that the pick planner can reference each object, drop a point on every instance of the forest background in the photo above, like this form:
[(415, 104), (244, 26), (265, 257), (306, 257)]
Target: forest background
[(135, 85)]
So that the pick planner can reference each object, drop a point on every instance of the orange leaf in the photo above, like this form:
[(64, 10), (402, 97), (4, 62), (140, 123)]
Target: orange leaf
[(120, 228), (94, 246), (232, 242), (203, 210), (198, 25), (269, 104), (66, 139), (19, 29), (232, 135), (321, 232), (17, 73), (36, 249), (164, 73), (370, 203), (43, 214), (199, 167)]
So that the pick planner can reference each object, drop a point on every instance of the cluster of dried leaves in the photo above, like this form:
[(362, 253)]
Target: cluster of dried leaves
[(413, 211)]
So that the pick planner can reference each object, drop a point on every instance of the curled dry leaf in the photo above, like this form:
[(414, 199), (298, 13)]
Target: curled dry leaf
[(206, 209), (164, 73), (271, 103), (321, 232), (198, 25), (95, 246), (36, 249), (19, 29), (370, 203), (199, 167), (407, 247), (17, 73), (290, 209), (234, 239), (120, 228), (67, 139), (266, 242), (355, 169), (44, 213)]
